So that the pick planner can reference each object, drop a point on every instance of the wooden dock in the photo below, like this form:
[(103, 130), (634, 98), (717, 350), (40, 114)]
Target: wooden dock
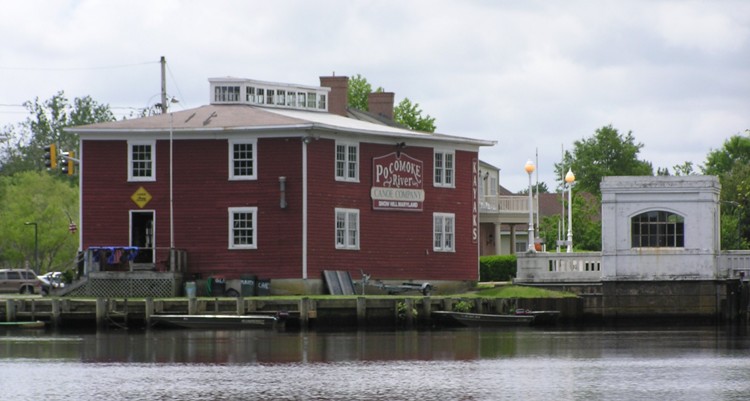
[(302, 312)]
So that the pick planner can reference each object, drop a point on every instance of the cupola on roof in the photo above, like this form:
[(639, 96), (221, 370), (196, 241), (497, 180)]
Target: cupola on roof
[(232, 90)]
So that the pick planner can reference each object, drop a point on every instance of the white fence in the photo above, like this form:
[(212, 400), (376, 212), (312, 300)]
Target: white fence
[(559, 267), (543, 267)]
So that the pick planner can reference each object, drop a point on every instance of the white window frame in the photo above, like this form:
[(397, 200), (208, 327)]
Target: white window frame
[(440, 232), (152, 144), (440, 178), (254, 227), (349, 217), (254, 175), (347, 163)]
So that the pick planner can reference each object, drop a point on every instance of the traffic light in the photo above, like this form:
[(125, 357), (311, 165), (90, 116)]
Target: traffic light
[(69, 167), (50, 157)]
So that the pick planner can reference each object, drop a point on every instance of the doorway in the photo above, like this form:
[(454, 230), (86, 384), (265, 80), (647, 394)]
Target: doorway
[(142, 235)]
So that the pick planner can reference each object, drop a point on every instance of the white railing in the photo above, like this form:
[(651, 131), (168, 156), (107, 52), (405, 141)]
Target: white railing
[(735, 263), (543, 267), (504, 203)]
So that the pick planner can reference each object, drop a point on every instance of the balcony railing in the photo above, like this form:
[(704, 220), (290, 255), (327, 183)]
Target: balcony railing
[(504, 203)]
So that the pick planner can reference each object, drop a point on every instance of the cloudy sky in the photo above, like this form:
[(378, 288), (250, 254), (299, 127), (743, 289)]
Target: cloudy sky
[(535, 76)]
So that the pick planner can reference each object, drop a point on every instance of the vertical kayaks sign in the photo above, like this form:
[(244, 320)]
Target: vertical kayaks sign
[(397, 183)]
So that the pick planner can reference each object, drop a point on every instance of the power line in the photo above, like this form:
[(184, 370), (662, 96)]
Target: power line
[(108, 67)]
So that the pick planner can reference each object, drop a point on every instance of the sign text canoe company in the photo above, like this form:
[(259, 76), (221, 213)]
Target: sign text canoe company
[(397, 183)]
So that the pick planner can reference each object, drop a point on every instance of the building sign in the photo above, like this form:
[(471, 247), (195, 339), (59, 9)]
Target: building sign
[(141, 197), (475, 208), (397, 183)]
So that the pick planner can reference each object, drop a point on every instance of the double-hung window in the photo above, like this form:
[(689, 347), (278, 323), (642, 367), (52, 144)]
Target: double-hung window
[(243, 160), (347, 229), (443, 233), (347, 164), (141, 160), (243, 228), (444, 169)]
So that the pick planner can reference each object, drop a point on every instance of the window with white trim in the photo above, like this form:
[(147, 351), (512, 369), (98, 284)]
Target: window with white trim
[(444, 232), (242, 160), (347, 228), (243, 224), (347, 165), (141, 160), (444, 169)]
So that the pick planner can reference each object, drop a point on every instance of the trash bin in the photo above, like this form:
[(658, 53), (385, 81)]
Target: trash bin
[(217, 286), (190, 289), (247, 285), (263, 287)]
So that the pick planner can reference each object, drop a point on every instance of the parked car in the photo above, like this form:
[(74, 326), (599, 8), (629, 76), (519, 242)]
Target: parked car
[(20, 281), (51, 281)]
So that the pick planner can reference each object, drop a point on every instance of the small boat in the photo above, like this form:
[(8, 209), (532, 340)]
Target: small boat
[(484, 319), (216, 321), (541, 317), (34, 324)]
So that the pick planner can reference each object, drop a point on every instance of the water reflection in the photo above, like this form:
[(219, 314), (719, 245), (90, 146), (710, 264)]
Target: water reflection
[(704, 363), (248, 346)]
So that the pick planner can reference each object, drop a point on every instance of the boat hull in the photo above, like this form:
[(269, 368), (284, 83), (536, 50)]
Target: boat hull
[(216, 321), (22, 325), (484, 319)]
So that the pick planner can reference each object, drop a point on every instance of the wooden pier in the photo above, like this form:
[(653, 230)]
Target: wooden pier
[(303, 312)]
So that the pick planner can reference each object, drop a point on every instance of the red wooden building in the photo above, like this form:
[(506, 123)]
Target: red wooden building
[(283, 182)]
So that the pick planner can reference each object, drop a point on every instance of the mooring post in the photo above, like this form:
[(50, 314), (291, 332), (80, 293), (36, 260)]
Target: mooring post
[(56, 312), (148, 304), (101, 312), (409, 304), (192, 306), (10, 310), (304, 319), (448, 304), (361, 311), (426, 309), (240, 306)]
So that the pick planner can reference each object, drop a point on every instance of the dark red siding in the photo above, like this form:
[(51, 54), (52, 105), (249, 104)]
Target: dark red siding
[(393, 244)]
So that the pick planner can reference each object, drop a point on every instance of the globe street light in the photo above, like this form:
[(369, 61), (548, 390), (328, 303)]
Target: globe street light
[(570, 178), (36, 245), (529, 167)]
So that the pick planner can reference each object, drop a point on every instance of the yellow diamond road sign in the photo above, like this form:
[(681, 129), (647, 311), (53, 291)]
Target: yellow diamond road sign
[(141, 197)]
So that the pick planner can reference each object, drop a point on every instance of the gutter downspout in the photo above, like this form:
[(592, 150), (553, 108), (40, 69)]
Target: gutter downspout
[(304, 208)]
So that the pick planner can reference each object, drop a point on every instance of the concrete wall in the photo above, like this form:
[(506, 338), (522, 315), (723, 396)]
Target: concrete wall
[(695, 198)]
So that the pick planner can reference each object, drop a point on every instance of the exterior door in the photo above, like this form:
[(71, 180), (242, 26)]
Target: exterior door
[(142, 235)]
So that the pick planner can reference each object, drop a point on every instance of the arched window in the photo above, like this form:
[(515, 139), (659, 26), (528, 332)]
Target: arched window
[(658, 229)]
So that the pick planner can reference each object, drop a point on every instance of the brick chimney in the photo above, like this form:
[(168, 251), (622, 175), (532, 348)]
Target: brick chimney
[(337, 98), (381, 103)]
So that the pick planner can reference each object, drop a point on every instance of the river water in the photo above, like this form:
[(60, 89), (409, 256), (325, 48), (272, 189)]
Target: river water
[(695, 363)]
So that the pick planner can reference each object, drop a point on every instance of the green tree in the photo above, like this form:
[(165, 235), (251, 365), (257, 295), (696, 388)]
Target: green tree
[(357, 92), (541, 188), (607, 153), (731, 164), (45, 125), (587, 227), (410, 115), (405, 113), (51, 203)]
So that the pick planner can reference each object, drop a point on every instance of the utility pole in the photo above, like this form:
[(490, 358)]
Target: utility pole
[(163, 62)]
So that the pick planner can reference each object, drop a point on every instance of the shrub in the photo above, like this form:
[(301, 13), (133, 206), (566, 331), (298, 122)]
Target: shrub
[(497, 268)]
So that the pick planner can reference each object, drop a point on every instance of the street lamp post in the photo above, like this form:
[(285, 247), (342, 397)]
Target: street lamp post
[(570, 178), (529, 167), (36, 245)]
